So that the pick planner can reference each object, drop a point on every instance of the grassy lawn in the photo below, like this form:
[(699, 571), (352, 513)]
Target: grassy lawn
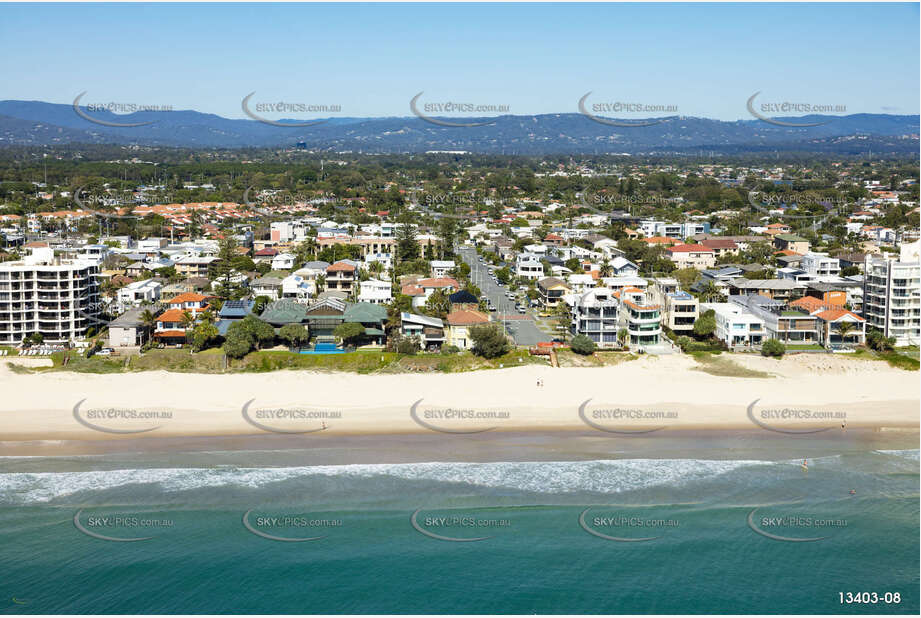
[(798, 347), (722, 365)]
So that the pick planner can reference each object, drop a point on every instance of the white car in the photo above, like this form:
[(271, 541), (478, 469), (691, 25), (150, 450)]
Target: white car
[(105, 352)]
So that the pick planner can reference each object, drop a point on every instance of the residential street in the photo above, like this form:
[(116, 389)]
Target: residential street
[(521, 327)]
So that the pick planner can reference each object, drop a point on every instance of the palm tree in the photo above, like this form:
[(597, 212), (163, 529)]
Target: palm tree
[(187, 319), (710, 291), (844, 328), (606, 268), (148, 320)]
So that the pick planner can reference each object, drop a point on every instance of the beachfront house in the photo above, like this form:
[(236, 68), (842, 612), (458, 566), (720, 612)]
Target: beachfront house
[(429, 331), (789, 325), (459, 324), (736, 326)]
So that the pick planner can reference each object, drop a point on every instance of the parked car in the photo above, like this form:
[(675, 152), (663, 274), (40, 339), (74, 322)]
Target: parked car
[(105, 352)]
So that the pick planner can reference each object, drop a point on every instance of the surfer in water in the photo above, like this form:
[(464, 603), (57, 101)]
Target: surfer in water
[(805, 465)]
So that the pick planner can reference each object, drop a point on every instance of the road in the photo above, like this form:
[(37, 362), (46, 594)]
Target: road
[(522, 328)]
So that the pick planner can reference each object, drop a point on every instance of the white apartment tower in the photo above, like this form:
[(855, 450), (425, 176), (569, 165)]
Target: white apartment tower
[(45, 294), (892, 295)]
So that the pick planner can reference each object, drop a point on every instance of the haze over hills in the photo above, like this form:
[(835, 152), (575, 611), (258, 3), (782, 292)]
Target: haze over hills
[(38, 123)]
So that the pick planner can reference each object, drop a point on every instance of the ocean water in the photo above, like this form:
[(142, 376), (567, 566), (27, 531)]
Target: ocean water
[(674, 534)]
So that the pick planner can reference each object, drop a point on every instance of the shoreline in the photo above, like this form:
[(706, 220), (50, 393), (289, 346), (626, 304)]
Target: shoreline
[(511, 446), (651, 396)]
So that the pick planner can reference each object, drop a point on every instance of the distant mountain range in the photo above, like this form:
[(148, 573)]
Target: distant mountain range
[(43, 124)]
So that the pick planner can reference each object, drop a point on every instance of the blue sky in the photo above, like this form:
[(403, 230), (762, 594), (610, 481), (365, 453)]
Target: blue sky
[(370, 59)]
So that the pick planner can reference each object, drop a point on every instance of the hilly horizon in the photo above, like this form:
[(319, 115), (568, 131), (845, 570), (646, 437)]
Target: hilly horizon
[(38, 123)]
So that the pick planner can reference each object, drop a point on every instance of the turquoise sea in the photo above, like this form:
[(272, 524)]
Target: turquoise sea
[(702, 555)]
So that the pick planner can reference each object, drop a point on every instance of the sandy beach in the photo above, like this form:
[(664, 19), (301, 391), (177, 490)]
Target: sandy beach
[(807, 393)]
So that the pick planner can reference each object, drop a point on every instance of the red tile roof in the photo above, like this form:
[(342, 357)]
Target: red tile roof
[(719, 243), (412, 290), (833, 315), (689, 249), (188, 297), (171, 315), (438, 282), (463, 317)]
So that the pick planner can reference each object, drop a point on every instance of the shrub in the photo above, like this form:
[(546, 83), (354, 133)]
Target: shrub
[(581, 344), (488, 341), (450, 349), (772, 347)]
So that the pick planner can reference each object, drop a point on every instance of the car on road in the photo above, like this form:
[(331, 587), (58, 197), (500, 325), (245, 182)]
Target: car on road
[(510, 295)]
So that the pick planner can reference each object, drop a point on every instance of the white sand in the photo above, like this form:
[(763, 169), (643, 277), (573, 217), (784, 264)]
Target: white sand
[(871, 394)]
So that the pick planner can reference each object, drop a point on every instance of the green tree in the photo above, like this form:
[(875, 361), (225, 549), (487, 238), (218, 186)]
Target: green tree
[(204, 335), (686, 277), (261, 333), (705, 325), (581, 344), (237, 344), (349, 332), (710, 292), (488, 341), (438, 305), (407, 247), (876, 340), (294, 334)]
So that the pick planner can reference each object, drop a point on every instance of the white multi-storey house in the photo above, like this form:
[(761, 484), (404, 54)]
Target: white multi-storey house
[(529, 266)]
